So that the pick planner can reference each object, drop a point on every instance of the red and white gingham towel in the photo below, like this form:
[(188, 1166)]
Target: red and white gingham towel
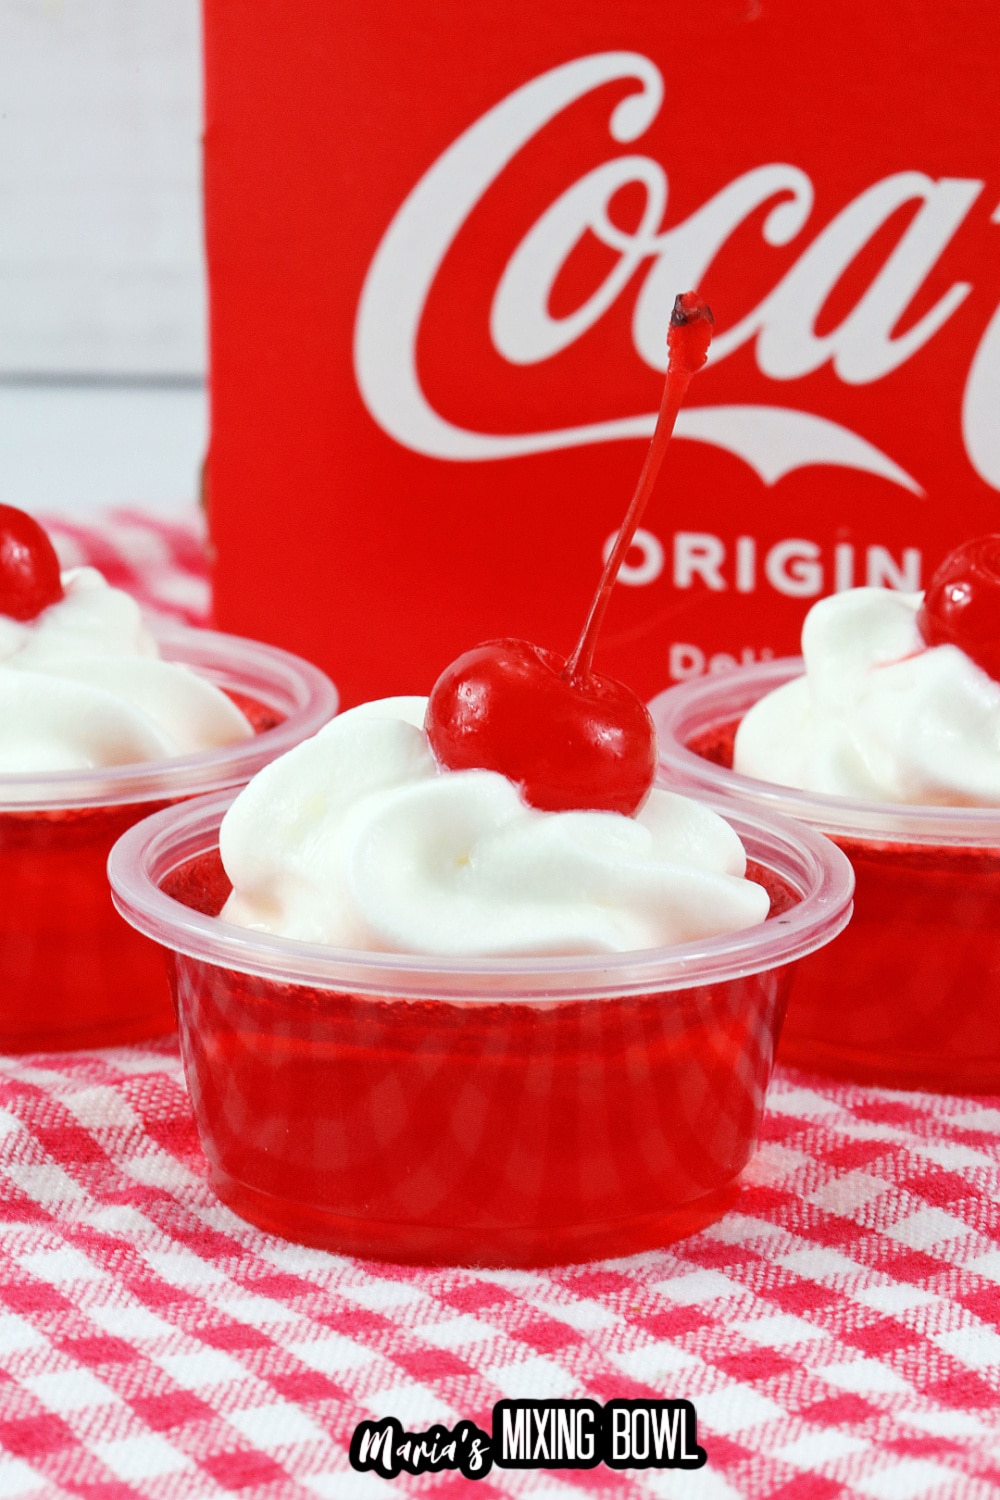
[(163, 564), (838, 1332)]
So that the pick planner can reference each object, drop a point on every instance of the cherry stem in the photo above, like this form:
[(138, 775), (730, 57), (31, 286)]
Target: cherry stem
[(690, 334)]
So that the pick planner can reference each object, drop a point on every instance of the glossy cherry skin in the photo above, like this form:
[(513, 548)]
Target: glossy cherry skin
[(503, 706), (962, 604), (567, 737), (29, 568)]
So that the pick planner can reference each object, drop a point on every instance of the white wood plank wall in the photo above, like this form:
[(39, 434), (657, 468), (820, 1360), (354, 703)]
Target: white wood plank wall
[(102, 298)]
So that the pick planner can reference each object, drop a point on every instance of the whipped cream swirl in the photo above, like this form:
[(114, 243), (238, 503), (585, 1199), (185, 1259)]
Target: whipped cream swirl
[(878, 714), (358, 839), (82, 686)]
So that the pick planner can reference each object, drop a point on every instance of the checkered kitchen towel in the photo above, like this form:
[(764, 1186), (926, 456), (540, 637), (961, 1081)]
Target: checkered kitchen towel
[(163, 564), (838, 1332)]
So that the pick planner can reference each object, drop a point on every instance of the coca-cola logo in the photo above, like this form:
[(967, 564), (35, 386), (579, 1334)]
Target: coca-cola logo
[(773, 439)]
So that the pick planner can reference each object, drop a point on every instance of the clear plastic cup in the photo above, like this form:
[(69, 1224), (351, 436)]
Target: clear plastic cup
[(910, 996), (482, 1112), (72, 974)]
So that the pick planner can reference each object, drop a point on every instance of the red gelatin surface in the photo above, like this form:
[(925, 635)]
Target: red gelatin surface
[(478, 1133), (261, 716), (909, 996), (73, 973)]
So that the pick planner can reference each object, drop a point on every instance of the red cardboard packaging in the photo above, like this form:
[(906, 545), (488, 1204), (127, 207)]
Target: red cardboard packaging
[(443, 246)]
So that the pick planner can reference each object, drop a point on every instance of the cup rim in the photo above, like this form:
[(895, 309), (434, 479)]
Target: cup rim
[(690, 707), (149, 851), (287, 682)]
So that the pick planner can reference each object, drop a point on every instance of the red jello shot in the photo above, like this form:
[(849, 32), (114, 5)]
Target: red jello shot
[(72, 973), (484, 1112), (910, 995)]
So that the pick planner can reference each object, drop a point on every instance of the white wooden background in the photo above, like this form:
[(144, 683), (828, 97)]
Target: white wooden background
[(102, 298)]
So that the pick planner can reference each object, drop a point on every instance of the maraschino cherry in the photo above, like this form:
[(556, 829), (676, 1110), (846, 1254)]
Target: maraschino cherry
[(962, 604), (568, 737), (29, 568)]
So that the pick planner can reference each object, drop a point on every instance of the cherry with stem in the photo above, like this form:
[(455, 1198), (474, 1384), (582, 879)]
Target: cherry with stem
[(569, 738)]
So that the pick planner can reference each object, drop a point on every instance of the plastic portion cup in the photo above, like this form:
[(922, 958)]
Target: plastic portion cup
[(910, 997), (483, 1112), (72, 974)]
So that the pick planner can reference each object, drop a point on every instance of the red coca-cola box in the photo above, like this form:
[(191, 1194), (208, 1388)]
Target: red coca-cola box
[(443, 246)]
